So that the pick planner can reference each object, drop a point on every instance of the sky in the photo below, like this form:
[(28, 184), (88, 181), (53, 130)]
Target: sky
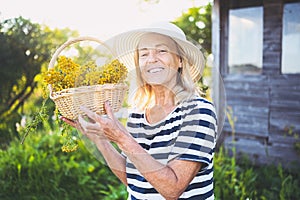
[(98, 18)]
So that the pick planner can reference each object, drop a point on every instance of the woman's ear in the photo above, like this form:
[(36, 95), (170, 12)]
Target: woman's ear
[(180, 69), (180, 60)]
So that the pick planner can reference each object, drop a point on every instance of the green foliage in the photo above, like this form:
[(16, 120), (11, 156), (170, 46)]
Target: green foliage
[(278, 183), (38, 169), (25, 50), (22, 54), (196, 23), (290, 131), (241, 180), (39, 117), (232, 181)]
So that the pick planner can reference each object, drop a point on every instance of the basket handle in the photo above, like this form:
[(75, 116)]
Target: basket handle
[(66, 44)]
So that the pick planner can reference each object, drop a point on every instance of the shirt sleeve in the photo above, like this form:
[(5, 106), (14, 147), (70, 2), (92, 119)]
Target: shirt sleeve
[(196, 139)]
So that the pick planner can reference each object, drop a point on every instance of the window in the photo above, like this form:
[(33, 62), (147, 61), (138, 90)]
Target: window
[(245, 42), (291, 39)]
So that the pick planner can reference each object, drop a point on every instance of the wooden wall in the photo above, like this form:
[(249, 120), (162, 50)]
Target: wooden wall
[(265, 106)]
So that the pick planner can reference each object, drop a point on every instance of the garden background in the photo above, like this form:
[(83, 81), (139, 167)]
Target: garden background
[(39, 169)]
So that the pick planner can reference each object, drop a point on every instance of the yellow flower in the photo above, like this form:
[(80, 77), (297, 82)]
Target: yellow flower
[(68, 74)]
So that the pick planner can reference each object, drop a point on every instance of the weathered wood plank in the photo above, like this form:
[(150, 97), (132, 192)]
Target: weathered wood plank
[(248, 98), (241, 78), (262, 153), (249, 93), (247, 122), (251, 127), (285, 114), (246, 101), (248, 129), (248, 110), (245, 86), (238, 3), (272, 32), (284, 103), (292, 80), (283, 95), (283, 138), (273, 56), (279, 121)]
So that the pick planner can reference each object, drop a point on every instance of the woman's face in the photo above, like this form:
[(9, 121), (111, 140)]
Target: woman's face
[(158, 60)]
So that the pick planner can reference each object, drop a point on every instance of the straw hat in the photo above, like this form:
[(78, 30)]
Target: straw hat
[(125, 44)]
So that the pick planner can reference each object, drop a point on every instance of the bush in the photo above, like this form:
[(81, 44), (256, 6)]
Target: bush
[(231, 181), (242, 180), (38, 169)]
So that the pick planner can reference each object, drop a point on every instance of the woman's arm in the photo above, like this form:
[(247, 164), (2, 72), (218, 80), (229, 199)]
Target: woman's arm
[(113, 158), (169, 180)]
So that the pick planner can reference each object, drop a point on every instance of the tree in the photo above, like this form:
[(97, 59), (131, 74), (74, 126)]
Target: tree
[(25, 48), (196, 23)]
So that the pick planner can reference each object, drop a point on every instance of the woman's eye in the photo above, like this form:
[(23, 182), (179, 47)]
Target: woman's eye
[(162, 50), (143, 54)]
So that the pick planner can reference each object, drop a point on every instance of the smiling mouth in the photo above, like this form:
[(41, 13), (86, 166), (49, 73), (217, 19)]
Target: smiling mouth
[(155, 70)]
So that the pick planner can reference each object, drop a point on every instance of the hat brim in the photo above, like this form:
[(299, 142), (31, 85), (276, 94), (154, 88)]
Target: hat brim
[(125, 44)]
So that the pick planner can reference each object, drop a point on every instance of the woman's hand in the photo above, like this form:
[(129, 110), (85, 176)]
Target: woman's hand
[(92, 130), (68, 121), (108, 125)]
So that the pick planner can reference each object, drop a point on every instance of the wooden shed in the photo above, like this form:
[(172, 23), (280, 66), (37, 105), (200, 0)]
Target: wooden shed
[(256, 50)]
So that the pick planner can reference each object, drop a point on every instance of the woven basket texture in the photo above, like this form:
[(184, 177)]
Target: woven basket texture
[(68, 101)]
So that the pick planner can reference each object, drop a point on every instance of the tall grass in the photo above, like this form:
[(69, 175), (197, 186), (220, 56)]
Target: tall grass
[(240, 180), (38, 169)]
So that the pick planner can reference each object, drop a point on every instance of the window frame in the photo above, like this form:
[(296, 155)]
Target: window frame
[(282, 44), (228, 46), (224, 34)]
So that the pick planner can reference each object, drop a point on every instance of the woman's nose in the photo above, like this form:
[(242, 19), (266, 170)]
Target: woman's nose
[(152, 56)]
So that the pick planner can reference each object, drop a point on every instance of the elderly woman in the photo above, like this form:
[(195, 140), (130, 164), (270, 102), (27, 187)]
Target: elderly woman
[(167, 147)]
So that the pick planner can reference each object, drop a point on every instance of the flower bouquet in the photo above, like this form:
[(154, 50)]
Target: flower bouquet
[(72, 85)]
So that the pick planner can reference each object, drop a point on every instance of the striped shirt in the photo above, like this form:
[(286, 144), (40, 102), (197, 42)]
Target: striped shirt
[(187, 133)]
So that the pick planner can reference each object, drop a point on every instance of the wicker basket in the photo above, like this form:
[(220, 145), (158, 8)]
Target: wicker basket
[(68, 101)]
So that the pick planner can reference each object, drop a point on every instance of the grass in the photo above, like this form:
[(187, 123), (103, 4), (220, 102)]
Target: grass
[(240, 180)]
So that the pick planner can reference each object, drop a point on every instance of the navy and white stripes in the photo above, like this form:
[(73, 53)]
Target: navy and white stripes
[(187, 133)]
